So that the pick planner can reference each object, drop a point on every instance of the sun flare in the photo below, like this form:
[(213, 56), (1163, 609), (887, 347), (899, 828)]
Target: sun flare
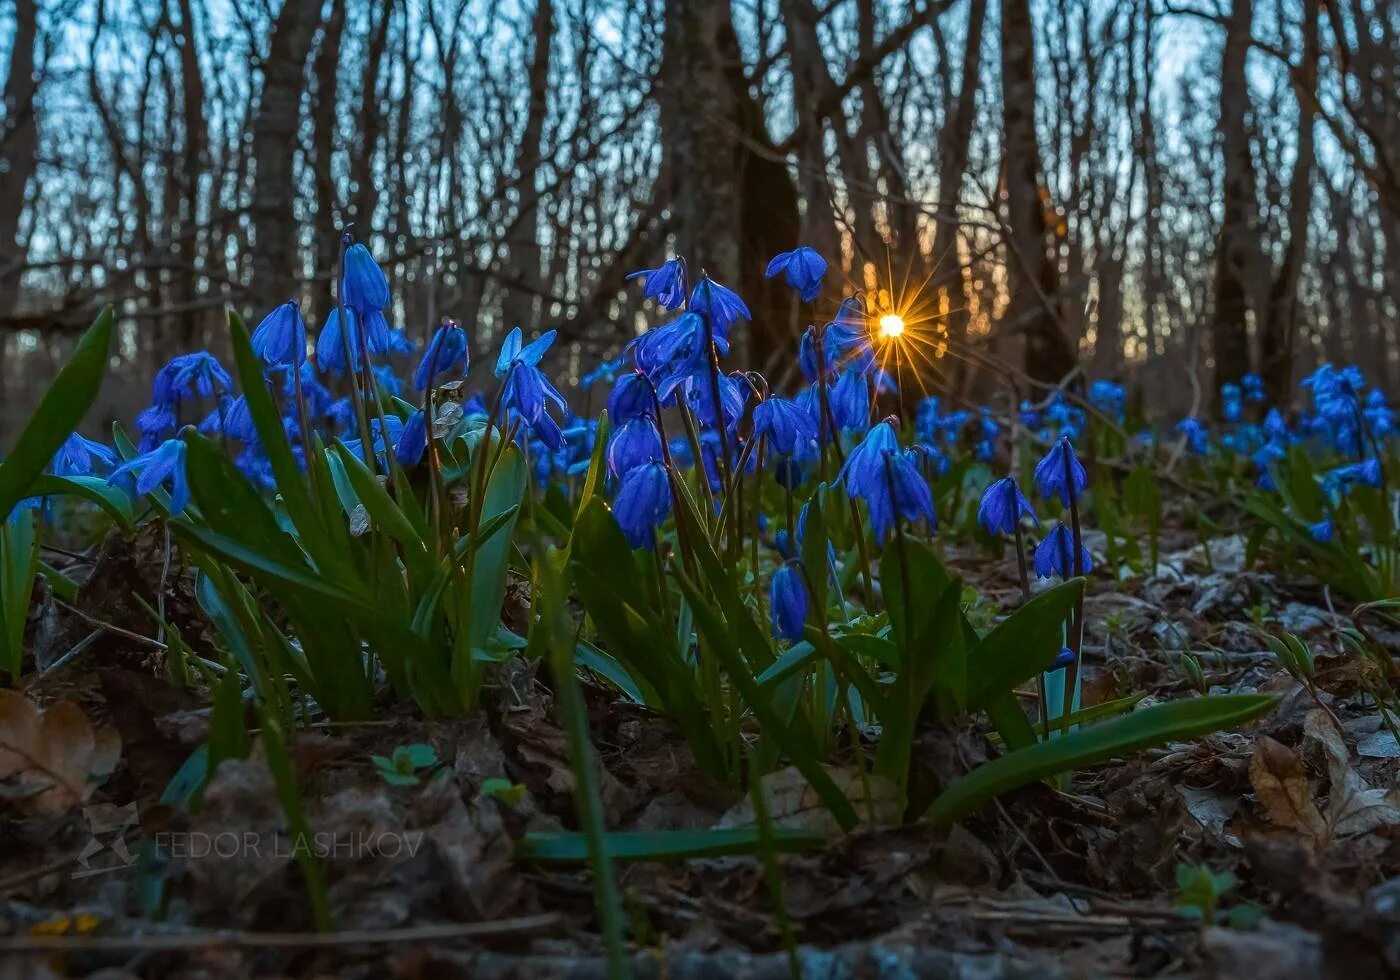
[(891, 326)]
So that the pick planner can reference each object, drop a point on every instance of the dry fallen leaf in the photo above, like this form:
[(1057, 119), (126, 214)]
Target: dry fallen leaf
[(56, 749), (793, 803), (1353, 806), (1282, 788)]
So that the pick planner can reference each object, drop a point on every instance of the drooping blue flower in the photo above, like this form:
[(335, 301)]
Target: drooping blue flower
[(281, 336), (788, 601), (333, 342), (213, 424), (1064, 418), (1196, 433), (804, 267), (1264, 458), (1321, 532), (606, 371), (1063, 659), (788, 427), (1109, 398), (164, 464), (886, 479), (75, 457), (1275, 426), (642, 503), (401, 343), (675, 349), (195, 374), (634, 443), (1060, 472), (699, 393), (666, 284), (1055, 554), (1367, 473), (1379, 417), (1253, 388), (1027, 415), (154, 424), (1231, 402), (388, 380), (238, 421), (1003, 504), (630, 398), (845, 343), (721, 305), (849, 400), (364, 287), (446, 350), (413, 439)]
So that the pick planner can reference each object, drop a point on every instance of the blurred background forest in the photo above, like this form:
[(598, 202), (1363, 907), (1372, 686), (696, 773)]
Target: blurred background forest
[(1169, 193)]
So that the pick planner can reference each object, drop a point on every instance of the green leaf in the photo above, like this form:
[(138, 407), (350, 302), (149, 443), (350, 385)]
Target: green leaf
[(504, 492), (663, 845), (95, 489), (60, 410), (1023, 644), (1175, 720)]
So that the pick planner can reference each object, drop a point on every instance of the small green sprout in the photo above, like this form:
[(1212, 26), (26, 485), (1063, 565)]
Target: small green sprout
[(503, 789), (402, 769)]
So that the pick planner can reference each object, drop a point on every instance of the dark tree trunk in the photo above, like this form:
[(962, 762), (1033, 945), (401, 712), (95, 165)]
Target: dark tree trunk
[(329, 215), (275, 266), (1032, 275), (524, 243), (19, 146), (1236, 246), (1279, 332)]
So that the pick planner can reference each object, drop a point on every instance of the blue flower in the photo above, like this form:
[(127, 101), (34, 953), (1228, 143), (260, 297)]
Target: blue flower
[(413, 440), (1196, 433), (526, 388), (1028, 416), (630, 398), (198, 373), (1321, 531), (845, 343), (699, 392), (1055, 554), (1002, 507), (75, 456), (1231, 402), (787, 426), (849, 400), (165, 463), (675, 349), (213, 423), (154, 424), (1367, 473), (1264, 457), (363, 286), (666, 285), (1108, 398), (238, 421), (643, 501), (1060, 472), (886, 479), (1379, 417), (1064, 659), (633, 443), (446, 350), (281, 336), (605, 371), (804, 268), (1275, 427), (333, 342), (788, 601), (720, 304), (1253, 388)]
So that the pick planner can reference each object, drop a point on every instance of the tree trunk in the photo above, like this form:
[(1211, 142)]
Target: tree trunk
[(1279, 335), (1032, 275), (524, 244), (276, 269), (329, 212), (19, 146), (1235, 247)]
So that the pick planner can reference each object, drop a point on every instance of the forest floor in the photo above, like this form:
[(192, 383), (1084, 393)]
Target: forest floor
[(1300, 809)]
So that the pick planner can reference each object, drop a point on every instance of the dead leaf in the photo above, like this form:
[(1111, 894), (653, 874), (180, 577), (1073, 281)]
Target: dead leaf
[(54, 748), (1353, 806), (793, 803), (1282, 788)]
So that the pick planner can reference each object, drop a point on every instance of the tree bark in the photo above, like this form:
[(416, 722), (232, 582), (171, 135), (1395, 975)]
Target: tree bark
[(1235, 247), (19, 145), (276, 272), (1033, 278), (1279, 331), (525, 254)]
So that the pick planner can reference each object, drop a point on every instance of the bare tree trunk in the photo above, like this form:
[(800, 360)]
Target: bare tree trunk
[(810, 74), (19, 145), (956, 146), (329, 214), (371, 123), (1032, 275), (1279, 331), (275, 267), (525, 254), (1236, 248), (196, 164)]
